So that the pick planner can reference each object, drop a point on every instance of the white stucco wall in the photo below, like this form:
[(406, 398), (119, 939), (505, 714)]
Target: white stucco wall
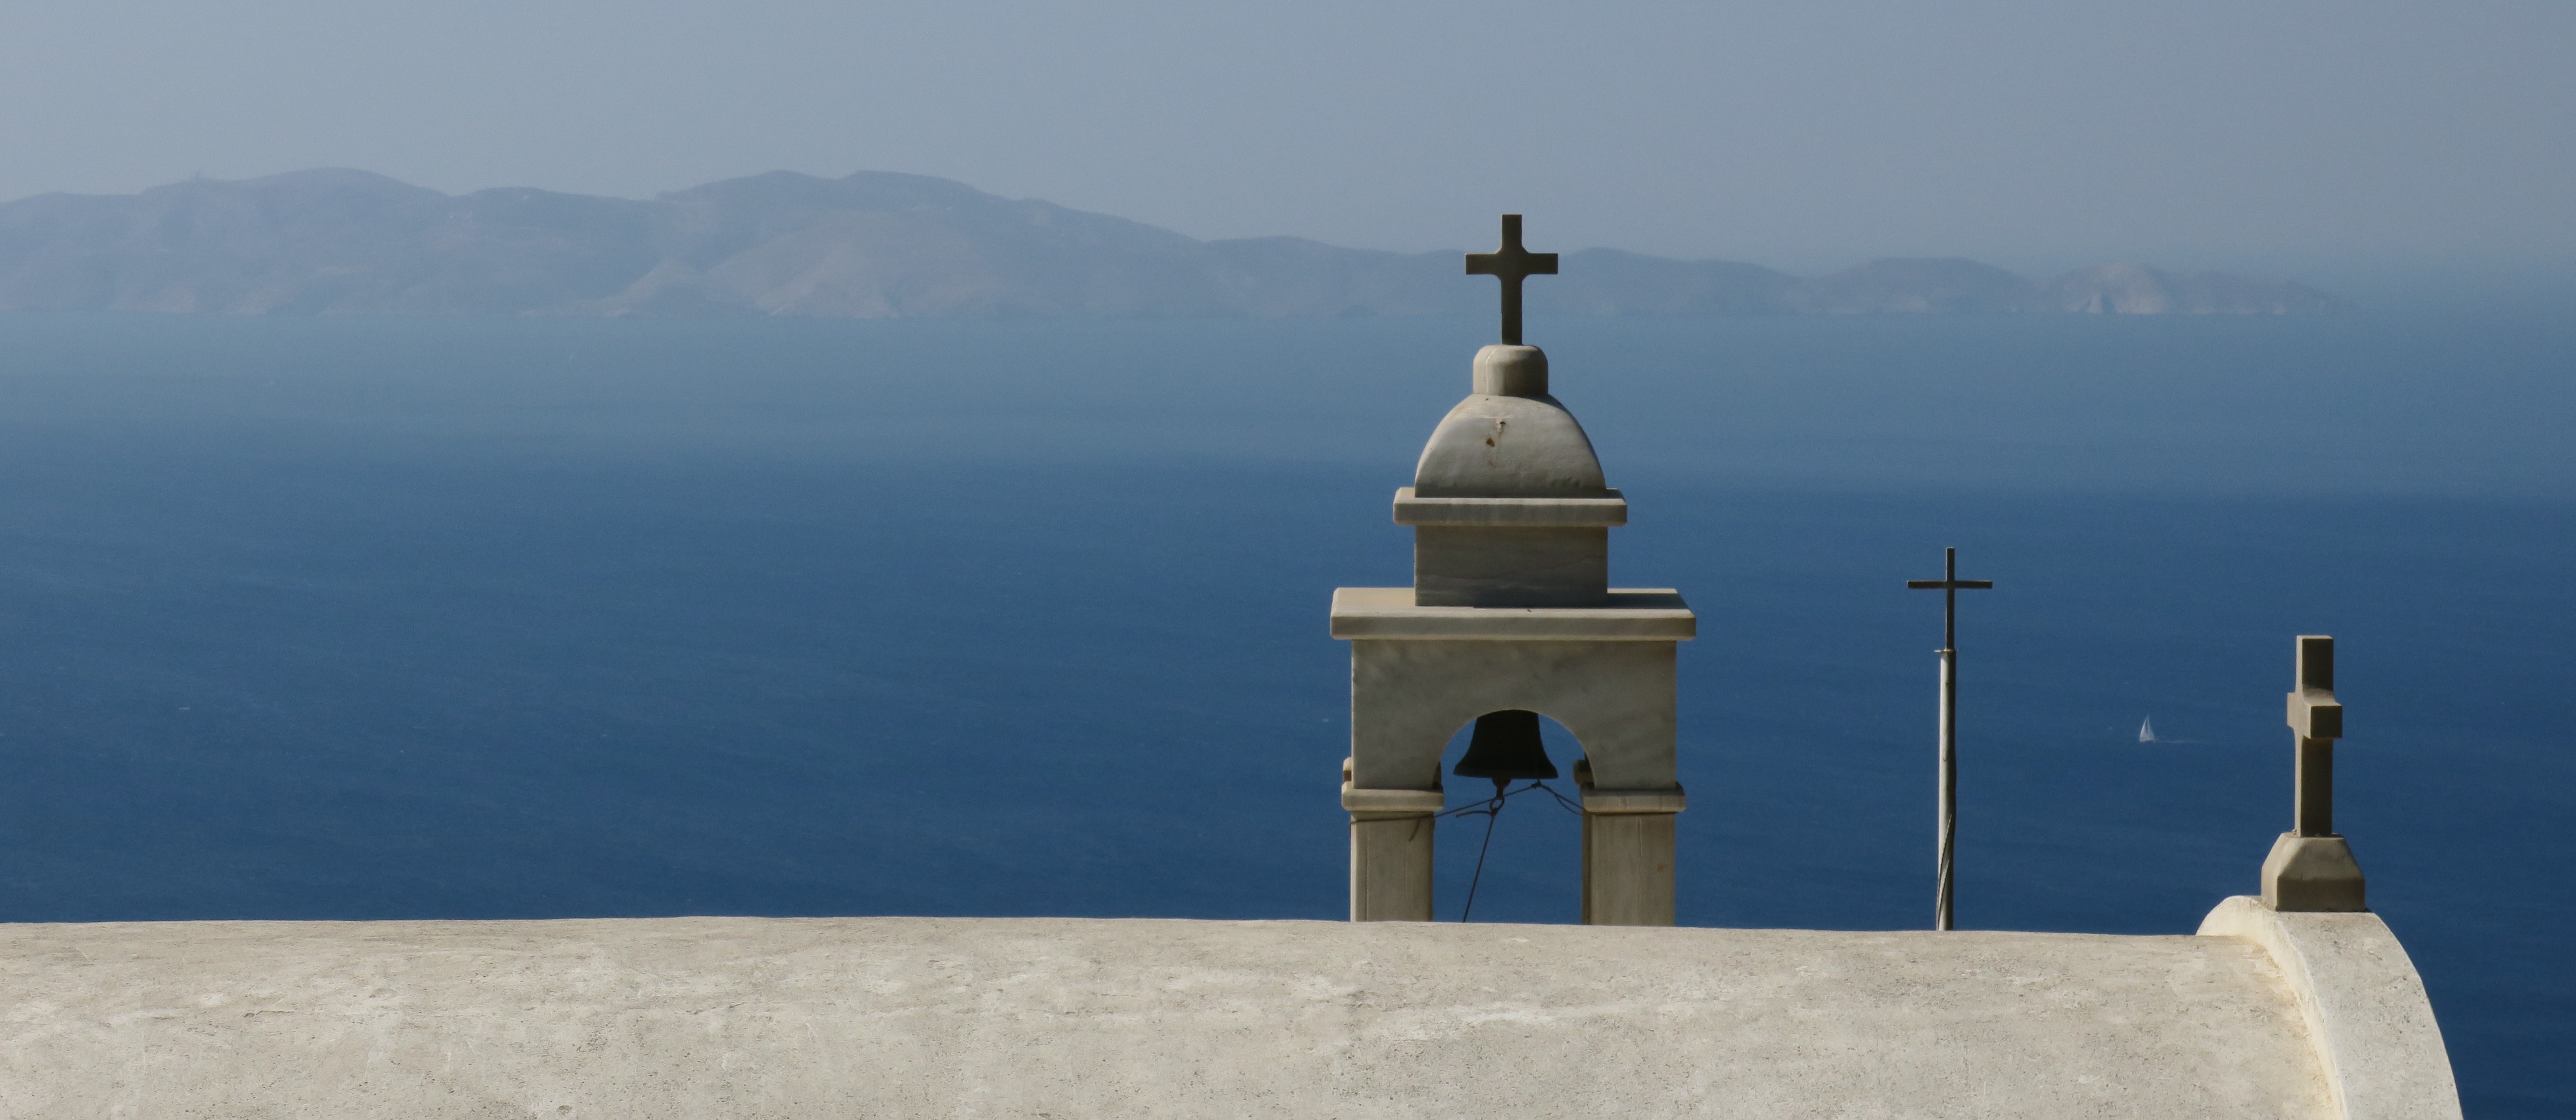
[(2376, 1039), (963, 1017)]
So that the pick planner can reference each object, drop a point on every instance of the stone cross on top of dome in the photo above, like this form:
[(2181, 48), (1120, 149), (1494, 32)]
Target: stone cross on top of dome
[(1511, 264)]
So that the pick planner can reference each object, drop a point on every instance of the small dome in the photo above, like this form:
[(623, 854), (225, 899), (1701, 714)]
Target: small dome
[(1523, 445)]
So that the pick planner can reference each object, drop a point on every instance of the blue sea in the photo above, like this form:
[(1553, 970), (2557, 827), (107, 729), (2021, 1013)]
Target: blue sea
[(468, 618)]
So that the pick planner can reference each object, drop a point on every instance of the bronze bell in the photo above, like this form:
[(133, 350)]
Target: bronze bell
[(1505, 748)]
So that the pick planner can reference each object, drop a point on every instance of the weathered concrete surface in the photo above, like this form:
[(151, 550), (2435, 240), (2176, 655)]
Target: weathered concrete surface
[(1635, 614), (2376, 1038), (1509, 447), (739, 1017), (1408, 697), (1510, 566), (1413, 509)]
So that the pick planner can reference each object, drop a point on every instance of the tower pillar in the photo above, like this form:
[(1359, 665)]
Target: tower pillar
[(1391, 851), (1627, 853)]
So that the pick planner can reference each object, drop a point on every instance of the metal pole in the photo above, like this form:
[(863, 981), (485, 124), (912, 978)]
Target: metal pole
[(1949, 782), (1949, 733), (1950, 585)]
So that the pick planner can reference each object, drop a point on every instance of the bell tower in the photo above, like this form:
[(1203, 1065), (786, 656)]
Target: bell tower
[(1511, 615)]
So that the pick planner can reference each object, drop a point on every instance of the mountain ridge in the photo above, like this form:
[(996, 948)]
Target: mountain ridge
[(894, 245)]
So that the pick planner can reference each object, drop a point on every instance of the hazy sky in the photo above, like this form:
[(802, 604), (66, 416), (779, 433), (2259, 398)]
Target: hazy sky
[(1805, 135)]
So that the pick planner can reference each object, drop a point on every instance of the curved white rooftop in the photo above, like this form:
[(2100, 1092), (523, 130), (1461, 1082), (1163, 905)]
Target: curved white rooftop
[(1009, 1017)]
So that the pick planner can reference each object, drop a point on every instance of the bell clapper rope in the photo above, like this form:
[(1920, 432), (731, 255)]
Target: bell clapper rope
[(1492, 810)]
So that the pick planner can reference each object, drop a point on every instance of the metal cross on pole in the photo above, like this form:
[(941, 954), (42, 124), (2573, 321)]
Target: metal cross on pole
[(1511, 263), (1950, 585)]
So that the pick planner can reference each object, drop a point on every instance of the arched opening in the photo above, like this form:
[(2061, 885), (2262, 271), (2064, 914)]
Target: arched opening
[(1532, 865)]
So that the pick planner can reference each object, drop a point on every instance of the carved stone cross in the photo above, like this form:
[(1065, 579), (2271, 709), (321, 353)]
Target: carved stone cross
[(2311, 867), (2318, 719), (1511, 264)]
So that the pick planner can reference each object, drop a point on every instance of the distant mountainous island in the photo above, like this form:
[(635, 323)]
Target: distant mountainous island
[(881, 245)]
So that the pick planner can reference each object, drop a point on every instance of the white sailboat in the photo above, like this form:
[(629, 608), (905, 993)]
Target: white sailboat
[(2147, 730)]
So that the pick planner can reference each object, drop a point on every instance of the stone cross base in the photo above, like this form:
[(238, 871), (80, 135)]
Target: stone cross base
[(2312, 874)]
